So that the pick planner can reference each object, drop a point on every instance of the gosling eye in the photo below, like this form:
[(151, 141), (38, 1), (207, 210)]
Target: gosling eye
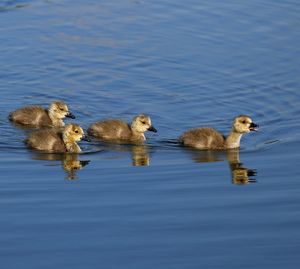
[(244, 121), (76, 131), (61, 109), (143, 122)]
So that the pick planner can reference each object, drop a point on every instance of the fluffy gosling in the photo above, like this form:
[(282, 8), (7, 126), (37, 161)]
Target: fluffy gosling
[(57, 140), (117, 130), (39, 117), (209, 138)]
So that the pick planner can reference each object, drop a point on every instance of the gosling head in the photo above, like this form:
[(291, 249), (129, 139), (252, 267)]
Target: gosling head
[(73, 132), (243, 124), (142, 123), (59, 110)]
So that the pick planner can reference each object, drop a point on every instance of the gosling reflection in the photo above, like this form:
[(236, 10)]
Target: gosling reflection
[(139, 153), (239, 173), (69, 162), (71, 165)]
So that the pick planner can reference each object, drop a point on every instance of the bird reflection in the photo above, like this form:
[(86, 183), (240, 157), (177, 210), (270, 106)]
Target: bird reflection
[(71, 165), (69, 162), (139, 153), (239, 173)]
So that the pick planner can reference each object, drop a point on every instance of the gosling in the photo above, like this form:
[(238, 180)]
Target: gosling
[(117, 130), (57, 140), (209, 138), (39, 117)]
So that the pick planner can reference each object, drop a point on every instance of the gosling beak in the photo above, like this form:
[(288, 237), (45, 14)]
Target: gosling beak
[(253, 126), (70, 115), (85, 138), (152, 129)]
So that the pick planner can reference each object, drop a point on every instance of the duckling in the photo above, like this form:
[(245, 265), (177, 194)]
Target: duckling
[(209, 138), (39, 117), (57, 140), (122, 131)]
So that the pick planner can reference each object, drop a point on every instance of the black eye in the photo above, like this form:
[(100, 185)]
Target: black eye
[(76, 131), (61, 109), (143, 122), (244, 121)]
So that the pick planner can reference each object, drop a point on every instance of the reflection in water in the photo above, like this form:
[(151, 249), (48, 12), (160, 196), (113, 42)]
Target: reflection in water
[(69, 162), (139, 153), (239, 174), (71, 165)]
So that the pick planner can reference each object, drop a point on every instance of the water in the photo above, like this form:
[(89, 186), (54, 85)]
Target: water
[(186, 64)]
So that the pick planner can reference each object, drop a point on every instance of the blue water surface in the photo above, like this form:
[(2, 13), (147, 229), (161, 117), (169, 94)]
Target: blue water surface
[(187, 64)]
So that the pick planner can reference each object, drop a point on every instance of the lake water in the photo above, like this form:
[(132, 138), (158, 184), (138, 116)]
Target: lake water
[(185, 63)]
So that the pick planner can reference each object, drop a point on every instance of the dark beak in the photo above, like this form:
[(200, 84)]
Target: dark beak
[(70, 115), (85, 138), (152, 129), (253, 126)]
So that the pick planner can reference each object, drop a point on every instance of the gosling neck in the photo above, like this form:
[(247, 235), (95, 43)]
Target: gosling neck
[(139, 135), (56, 121), (136, 133), (71, 145), (233, 140)]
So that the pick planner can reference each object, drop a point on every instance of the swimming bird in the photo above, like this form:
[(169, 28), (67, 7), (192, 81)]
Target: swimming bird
[(39, 117), (57, 139), (209, 138), (118, 130)]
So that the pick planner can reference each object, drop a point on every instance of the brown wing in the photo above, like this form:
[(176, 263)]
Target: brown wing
[(110, 130), (46, 140), (32, 115), (58, 144), (44, 119), (203, 138)]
